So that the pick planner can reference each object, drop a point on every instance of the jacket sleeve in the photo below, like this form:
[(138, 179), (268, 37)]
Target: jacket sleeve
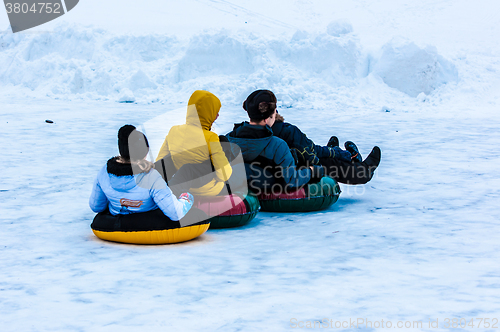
[(324, 151), (291, 175), (164, 151), (98, 201), (309, 154), (297, 140), (222, 167), (172, 207)]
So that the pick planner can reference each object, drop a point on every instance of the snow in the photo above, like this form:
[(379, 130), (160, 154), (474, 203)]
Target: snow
[(339, 28), (126, 96), (418, 242), (89, 64), (412, 70)]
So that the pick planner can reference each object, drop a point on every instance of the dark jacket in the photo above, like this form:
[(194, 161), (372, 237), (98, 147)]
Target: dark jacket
[(267, 158), (296, 139)]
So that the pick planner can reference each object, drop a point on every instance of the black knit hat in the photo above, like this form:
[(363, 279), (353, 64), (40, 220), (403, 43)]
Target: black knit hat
[(260, 104), (132, 144)]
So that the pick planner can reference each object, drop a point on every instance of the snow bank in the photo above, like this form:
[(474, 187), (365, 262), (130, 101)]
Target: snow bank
[(93, 64), (339, 28), (413, 70)]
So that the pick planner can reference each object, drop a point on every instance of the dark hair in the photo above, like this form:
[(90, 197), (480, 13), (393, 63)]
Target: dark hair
[(260, 105), (132, 144)]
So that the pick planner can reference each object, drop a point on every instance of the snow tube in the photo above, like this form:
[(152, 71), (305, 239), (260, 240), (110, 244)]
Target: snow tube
[(313, 197), (230, 210), (151, 227)]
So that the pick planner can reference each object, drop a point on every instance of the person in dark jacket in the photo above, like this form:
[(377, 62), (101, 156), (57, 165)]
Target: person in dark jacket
[(345, 166), (304, 147), (268, 160)]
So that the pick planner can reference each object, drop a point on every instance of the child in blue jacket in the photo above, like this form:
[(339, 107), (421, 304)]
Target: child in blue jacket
[(130, 184)]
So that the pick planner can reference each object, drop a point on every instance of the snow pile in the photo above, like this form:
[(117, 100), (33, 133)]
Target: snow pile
[(93, 64), (89, 63), (413, 70), (217, 54), (339, 28), (126, 96)]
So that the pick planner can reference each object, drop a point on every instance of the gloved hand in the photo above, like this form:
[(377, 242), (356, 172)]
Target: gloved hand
[(317, 172), (310, 156), (187, 197)]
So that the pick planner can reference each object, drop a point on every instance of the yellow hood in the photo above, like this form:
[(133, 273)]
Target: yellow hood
[(203, 107)]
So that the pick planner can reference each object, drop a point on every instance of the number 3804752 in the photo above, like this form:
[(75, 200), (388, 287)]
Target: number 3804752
[(36, 8)]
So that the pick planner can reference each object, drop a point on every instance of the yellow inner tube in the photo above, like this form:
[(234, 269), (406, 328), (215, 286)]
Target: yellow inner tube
[(174, 235)]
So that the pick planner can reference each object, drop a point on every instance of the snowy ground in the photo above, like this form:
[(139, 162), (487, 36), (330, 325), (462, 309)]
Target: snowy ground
[(418, 243)]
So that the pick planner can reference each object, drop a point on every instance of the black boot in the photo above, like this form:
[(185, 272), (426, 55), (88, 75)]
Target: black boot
[(333, 142), (373, 159), (353, 149)]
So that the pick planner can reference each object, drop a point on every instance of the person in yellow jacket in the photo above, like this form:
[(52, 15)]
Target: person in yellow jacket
[(195, 144)]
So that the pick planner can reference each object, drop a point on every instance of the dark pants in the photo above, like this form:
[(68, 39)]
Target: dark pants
[(191, 176), (188, 176), (354, 172), (145, 221)]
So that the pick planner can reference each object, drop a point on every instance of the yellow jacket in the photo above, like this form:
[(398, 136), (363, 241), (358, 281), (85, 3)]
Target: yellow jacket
[(193, 142)]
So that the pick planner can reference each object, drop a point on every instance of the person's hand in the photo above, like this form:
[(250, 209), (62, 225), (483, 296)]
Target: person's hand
[(317, 172), (310, 156), (187, 197)]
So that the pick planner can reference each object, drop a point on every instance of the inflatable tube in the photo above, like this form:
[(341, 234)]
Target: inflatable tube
[(313, 197), (151, 227), (228, 211)]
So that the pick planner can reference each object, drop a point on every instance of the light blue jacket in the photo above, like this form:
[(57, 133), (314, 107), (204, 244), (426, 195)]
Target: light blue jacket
[(136, 193)]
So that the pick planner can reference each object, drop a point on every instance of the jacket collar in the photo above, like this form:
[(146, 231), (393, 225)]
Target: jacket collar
[(119, 169), (247, 130)]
